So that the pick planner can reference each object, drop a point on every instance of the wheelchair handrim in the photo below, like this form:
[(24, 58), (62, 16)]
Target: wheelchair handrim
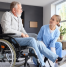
[(11, 49)]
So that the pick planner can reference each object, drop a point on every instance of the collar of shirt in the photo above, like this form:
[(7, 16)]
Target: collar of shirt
[(16, 18)]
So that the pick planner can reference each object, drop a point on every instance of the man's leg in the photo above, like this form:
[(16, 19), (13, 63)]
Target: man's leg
[(58, 46), (53, 49), (32, 43), (46, 52)]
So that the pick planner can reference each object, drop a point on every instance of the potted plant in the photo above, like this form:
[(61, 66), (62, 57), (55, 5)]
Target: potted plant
[(62, 32)]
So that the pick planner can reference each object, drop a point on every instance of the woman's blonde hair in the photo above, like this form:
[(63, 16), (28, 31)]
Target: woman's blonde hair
[(58, 19)]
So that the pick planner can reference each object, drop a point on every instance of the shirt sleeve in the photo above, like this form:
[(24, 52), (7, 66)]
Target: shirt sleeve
[(57, 34), (40, 34), (22, 29), (6, 24)]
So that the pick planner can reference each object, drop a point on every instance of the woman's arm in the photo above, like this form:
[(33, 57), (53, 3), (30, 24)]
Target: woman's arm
[(57, 34), (40, 34)]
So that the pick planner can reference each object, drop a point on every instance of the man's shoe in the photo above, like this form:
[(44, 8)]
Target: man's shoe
[(45, 59), (44, 66), (63, 61)]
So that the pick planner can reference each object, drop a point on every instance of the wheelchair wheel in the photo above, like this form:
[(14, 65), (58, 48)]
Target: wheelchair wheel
[(7, 54)]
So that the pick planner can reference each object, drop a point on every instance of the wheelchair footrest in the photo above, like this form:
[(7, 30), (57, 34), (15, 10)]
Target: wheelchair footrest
[(26, 65)]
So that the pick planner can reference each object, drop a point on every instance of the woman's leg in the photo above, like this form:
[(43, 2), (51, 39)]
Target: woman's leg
[(46, 52), (58, 46)]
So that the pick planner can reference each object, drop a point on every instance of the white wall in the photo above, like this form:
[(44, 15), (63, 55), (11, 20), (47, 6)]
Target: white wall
[(46, 14), (48, 11), (53, 11), (1, 13)]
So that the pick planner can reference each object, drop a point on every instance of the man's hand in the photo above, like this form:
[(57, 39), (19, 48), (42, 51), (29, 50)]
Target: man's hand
[(27, 35), (23, 35)]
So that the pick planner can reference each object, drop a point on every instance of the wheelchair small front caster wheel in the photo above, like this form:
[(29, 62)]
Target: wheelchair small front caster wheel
[(26, 65)]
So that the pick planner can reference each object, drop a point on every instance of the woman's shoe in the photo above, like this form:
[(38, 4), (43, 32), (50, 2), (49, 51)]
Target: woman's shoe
[(63, 61)]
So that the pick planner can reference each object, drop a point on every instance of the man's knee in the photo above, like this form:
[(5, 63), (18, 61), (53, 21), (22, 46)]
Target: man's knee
[(32, 40)]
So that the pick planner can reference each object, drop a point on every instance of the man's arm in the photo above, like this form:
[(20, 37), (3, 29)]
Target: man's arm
[(23, 31), (6, 24)]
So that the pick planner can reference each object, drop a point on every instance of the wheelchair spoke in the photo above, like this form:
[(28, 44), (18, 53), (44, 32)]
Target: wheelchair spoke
[(7, 54), (9, 58)]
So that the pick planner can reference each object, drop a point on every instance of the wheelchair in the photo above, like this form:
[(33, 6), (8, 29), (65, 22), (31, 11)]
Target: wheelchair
[(10, 52)]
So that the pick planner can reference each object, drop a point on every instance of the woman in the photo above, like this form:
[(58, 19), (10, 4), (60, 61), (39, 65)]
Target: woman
[(49, 34)]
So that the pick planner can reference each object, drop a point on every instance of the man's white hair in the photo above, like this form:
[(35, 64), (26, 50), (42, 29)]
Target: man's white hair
[(14, 5)]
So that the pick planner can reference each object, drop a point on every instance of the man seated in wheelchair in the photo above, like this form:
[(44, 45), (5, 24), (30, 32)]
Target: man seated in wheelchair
[(12, 23)]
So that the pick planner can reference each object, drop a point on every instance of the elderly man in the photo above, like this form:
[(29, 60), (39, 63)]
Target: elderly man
[(12, 23)]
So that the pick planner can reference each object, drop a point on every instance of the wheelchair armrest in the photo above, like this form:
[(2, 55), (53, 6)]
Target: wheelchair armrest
[(6, 34)]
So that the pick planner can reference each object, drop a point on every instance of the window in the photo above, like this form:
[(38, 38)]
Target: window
[(61, 10)]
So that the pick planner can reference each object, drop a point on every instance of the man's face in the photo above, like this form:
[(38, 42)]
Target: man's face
[(18, 10)]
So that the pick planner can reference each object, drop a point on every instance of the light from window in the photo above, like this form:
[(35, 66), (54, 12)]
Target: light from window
[(63, 24), (61, 10)]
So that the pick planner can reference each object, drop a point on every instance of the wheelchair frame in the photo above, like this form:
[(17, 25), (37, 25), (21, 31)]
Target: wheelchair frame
[(16, 49)]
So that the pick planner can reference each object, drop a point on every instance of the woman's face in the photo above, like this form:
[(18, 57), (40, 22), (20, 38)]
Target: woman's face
[(53, 21)]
